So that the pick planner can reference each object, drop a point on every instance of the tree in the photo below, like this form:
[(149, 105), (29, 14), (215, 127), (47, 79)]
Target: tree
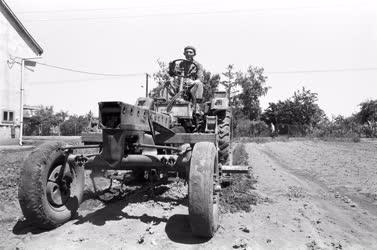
[(161, 77), (253, 85), (230, 83), (60, 117), (32, 126), (301, 109), (46, 122), (42, 122), (368, 112), (305, 107), (210, 85), (74, 125), (89, 115)]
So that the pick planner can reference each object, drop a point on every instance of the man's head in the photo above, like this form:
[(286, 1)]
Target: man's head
[(189, 52)]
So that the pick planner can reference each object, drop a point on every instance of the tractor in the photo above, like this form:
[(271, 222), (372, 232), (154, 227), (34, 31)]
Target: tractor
[(152, 139)]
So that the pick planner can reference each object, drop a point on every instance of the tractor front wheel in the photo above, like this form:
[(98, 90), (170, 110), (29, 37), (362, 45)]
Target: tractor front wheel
[(46, 200), (204, 190)]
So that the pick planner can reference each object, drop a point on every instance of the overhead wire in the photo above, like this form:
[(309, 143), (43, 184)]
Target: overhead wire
[(116, 76), (268, 72), (169, 14), (75, 80), (322, 70), (94, 9), (89, 73)]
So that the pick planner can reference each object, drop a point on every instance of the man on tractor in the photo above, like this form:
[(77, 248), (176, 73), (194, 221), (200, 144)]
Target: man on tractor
[(193, 74)]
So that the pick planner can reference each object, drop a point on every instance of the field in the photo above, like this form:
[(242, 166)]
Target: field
[(305, 194)]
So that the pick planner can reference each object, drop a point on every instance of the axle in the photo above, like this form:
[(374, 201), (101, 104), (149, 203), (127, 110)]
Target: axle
[(132, 162)]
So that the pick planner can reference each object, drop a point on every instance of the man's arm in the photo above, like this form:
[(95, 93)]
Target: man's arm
[(200, 73)]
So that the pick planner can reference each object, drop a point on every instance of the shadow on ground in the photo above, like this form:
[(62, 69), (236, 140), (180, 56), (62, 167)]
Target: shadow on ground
[(113, 208), (178, 230), (113, 212), (24, 227)]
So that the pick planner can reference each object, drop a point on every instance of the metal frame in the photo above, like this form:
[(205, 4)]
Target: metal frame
[(175, 138), (135, 124)]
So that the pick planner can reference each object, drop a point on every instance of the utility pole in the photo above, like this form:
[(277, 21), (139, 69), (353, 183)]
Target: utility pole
[(24, 62), (146, 84), (21, 101)]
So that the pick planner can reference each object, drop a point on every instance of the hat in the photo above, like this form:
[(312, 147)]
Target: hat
[(190, 47)]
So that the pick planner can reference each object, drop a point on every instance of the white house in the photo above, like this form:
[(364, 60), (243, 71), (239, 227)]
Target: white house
[(15, 43)]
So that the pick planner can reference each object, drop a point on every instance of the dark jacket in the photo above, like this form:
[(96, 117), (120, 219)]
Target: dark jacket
[(189, 70)]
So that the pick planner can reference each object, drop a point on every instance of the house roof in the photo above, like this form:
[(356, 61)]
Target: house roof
[(20, 28)]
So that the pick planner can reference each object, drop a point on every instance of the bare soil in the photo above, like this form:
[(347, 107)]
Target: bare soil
[(305, 195)]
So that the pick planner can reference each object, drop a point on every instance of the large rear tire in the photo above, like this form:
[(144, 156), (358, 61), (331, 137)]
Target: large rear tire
[(203, 183), (44, 201), (224, 138)]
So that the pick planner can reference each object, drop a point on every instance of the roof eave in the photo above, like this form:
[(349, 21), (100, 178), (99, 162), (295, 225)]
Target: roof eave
[(19, 27)]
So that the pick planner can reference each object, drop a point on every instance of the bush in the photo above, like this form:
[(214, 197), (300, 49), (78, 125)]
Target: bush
[(341, 127), (356, 138), (239, 196), (369, 130), (240, 156), (247, 128)]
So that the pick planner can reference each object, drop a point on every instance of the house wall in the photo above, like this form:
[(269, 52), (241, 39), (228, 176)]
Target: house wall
[(6, 135), (11, 44)]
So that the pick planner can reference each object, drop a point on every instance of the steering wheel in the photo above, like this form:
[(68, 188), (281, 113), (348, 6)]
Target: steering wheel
[(175, 68)]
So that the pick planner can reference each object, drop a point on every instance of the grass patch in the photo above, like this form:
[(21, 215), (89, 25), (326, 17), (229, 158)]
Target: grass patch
[(354, 139), (239, 195), (240, 156), (10, 167)]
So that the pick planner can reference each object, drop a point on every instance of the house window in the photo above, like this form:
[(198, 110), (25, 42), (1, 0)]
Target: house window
[(8, 116)]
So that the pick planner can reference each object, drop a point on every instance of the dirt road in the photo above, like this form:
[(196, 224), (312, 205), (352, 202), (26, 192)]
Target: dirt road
[(313, 205), (310, 195)]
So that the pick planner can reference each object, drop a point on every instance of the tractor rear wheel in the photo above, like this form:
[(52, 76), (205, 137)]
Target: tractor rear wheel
[(224, 138), (203, 190), (45, 201)]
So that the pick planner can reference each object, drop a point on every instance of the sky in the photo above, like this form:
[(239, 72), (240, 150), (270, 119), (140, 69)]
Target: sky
[(329, 47)]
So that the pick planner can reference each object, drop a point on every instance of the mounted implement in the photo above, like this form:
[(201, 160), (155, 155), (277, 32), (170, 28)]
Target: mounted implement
[(154, 138)]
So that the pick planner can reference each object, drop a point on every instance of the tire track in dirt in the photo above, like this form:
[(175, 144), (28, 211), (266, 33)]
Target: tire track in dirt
[(311, 177), (303, 211)]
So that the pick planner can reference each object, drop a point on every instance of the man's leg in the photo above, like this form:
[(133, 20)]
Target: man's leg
[(196, 93), (197, 90), (197, 98)]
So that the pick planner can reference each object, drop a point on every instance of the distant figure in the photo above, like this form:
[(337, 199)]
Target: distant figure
[(272, 130)]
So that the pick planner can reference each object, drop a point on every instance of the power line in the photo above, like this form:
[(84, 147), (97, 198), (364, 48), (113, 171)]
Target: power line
[(89, 73), (322, 70), (136, 16), (74, 80), (93, 10), (142, 74), (168, 14)]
